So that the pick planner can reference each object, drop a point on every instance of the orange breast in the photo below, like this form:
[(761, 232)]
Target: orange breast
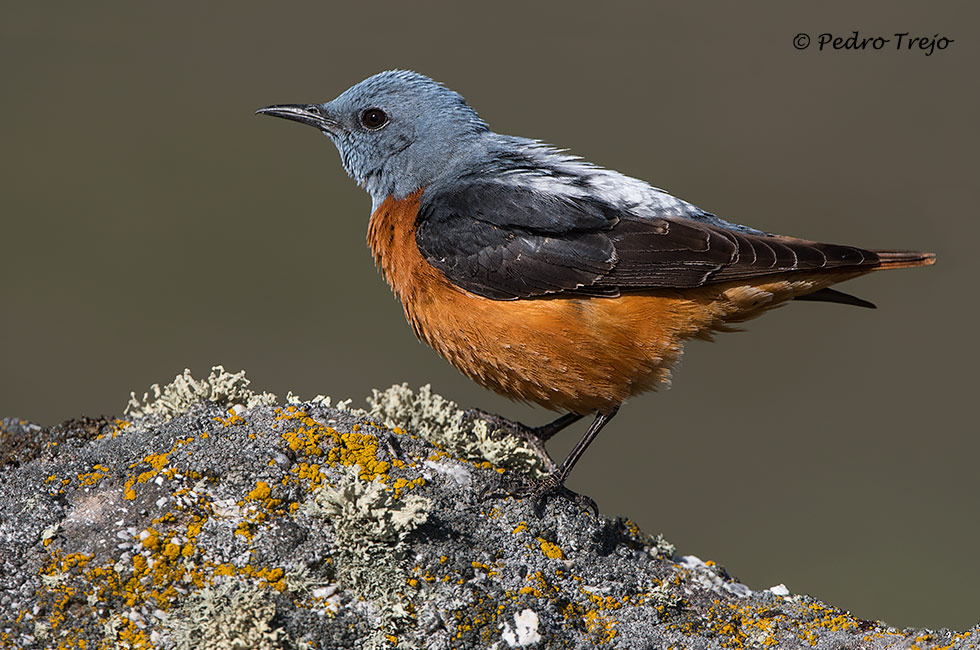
[(567, 354)]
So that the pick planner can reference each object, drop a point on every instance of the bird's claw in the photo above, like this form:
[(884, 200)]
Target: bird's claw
[(540, 491)]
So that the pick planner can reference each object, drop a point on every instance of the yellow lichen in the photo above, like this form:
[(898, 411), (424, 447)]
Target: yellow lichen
[(261, 492), (349, 449), (90, 479), (550, 550), (232, 419), (156, 461)]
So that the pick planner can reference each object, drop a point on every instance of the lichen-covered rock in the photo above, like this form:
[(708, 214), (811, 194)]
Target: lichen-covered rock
[(216, 518)]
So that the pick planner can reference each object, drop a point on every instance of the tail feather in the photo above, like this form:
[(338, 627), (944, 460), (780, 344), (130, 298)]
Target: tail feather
[(833, 295), (904, 259), (886, 260)]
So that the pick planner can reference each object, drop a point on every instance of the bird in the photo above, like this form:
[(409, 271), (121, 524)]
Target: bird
[(544, 277)]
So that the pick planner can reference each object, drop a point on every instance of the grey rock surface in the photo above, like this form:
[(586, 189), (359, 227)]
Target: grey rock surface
[(212, 517)]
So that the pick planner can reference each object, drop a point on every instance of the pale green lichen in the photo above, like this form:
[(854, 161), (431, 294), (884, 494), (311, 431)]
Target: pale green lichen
[(325, 401), (424, 413), (366, 517), (441, 422), (230, 615), (372, 527), (660, 547), (177, 397)]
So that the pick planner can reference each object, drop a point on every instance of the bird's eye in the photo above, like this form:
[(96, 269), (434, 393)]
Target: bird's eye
[(374, 118)]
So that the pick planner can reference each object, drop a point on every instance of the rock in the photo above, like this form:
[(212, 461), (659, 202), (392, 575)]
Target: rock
[(214, 517)]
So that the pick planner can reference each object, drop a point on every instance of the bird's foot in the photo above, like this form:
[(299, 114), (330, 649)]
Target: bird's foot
[(530, 435), (540, 491)]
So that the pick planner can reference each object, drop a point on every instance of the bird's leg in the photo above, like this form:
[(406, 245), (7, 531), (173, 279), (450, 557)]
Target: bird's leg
[(542, 433), (546, 431), (554, 483), (601, 420), (535, 437)]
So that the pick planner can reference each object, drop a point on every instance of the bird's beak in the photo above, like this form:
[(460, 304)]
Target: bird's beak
[(310, 114)]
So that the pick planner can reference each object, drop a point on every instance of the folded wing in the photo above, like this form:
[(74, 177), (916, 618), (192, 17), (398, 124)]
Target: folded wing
[(505, 242)]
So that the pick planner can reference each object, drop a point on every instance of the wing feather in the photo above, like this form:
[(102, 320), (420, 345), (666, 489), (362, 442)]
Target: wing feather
[(506, 242)]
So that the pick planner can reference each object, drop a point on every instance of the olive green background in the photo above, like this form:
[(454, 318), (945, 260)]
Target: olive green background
[(149, 222)]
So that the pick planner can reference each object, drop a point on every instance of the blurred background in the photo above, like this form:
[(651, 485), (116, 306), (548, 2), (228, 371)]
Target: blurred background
[(149, 222)]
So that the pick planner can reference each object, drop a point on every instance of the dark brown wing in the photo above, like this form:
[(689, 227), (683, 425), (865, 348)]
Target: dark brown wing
[(679, 253), (506, 242)]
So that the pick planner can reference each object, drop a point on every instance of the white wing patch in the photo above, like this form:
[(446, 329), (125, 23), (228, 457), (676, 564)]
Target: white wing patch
[(562, 174)]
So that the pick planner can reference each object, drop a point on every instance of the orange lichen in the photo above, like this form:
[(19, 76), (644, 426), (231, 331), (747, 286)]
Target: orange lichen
[(232, 419), (348, 449), (550, 550), (91, 478), (261, 492)]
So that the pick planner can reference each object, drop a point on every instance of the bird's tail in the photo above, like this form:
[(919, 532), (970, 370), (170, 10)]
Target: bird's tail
[(903, 259), (887, 260)]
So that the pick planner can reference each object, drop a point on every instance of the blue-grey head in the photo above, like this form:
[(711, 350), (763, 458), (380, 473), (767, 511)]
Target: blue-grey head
[(396, 131)]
